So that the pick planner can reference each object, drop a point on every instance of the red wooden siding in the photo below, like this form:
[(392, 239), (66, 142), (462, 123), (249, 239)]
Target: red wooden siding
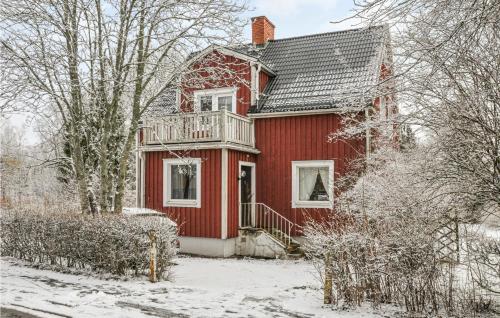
[(263, 80), (282, 140), (234, 157), (239, 68), (200, 222), (243, 94)]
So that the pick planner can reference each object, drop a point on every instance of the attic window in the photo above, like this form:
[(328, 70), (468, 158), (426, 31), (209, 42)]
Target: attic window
[(215, 99), (312, 184)]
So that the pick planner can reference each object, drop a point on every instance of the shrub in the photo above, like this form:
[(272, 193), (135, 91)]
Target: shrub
[(113, 244), (404, 243)]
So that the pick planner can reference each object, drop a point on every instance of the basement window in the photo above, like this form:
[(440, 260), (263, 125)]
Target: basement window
[(312, 184), (216, 99), (182, 182)]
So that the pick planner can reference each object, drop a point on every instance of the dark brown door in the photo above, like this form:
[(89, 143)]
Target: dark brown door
[(246, 195)]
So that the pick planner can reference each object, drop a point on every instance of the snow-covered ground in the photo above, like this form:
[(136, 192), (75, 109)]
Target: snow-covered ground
[(200, 287)]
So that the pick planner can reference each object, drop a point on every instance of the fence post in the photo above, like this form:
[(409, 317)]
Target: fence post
[(327, 289), (152, 256)]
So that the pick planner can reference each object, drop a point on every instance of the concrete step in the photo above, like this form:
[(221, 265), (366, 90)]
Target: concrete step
[(289, 245), (294, 255)]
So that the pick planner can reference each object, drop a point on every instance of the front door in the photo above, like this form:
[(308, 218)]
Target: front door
[(246, 195)]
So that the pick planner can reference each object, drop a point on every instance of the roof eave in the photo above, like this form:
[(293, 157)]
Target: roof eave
[(340, 110)]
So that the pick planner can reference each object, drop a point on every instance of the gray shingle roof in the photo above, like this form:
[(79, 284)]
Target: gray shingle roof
[(165, 104), (322, 71), (319, 71)]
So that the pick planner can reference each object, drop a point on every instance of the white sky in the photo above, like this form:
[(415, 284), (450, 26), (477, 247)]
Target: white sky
[(302, 17)]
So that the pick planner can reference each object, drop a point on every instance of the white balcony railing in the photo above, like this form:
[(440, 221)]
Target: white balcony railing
[(218, 126)]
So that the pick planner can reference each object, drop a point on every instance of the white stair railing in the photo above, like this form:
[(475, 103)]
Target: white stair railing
[(269, 220)]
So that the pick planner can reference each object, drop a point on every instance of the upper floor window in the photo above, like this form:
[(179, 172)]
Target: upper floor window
[(312, 184), (215, 99)]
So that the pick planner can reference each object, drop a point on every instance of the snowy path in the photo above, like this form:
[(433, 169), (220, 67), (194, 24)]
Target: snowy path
[(201, 288)]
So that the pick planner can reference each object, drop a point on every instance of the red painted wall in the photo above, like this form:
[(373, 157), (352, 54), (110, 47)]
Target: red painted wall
[(234, 157), (263, 80), (200, 222), (241, 79), (282, 140)]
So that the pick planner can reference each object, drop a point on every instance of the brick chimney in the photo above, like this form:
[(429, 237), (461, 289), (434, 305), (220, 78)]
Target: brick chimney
[(262, 30)]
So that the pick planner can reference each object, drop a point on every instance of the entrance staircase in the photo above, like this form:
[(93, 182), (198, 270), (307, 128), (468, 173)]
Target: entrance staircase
[(277, 227), (291, 246)]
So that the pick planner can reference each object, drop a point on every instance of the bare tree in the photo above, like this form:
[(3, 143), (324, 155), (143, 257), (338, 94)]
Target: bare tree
[(448, 74), (99, 65), (27, 174)]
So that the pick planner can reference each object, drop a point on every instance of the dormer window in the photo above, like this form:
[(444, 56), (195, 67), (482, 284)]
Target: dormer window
[(215, 99)]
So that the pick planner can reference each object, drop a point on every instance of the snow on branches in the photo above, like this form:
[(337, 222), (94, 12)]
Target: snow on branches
[(114, 244), (382, 242)]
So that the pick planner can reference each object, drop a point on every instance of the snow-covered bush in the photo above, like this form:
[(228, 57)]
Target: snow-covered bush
[(383, 243), (113, 244), (371, 260)]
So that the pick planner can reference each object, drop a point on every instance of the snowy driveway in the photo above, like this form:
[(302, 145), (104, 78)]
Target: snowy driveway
[(201, 287)]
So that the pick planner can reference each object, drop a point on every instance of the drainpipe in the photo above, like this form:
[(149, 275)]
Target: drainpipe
[(257, 82), (138, 176)]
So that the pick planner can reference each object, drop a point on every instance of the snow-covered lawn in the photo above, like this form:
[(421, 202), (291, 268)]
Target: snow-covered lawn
[(201, 287)]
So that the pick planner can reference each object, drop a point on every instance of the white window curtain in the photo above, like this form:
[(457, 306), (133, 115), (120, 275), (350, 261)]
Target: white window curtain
[(225, 102), (183, 182), (312, 183), (307, 180), (325, 178)]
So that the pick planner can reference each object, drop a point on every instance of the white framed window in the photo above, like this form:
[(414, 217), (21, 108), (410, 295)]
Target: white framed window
[(215, 99), (182, 182), (312, 184)]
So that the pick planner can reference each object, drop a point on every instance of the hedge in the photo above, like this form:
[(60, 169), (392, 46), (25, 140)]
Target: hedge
[(114, 244)]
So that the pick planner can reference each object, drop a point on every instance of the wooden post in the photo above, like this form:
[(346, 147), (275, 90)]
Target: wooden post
[(152, 256), (457, 238), (327, 289), (223, 125), (450, 285)]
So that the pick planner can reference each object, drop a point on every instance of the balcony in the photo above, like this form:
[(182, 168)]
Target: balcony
[(217, 126)]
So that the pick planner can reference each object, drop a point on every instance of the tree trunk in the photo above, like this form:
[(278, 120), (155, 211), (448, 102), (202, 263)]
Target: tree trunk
[(79, 169), (123, 168)]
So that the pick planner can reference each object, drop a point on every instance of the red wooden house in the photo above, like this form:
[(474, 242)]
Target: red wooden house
[(240, 160)]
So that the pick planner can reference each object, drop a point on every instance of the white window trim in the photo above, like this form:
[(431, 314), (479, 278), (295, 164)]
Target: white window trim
[(296, 203), (167, 200), (254, 186), (215, 93)]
